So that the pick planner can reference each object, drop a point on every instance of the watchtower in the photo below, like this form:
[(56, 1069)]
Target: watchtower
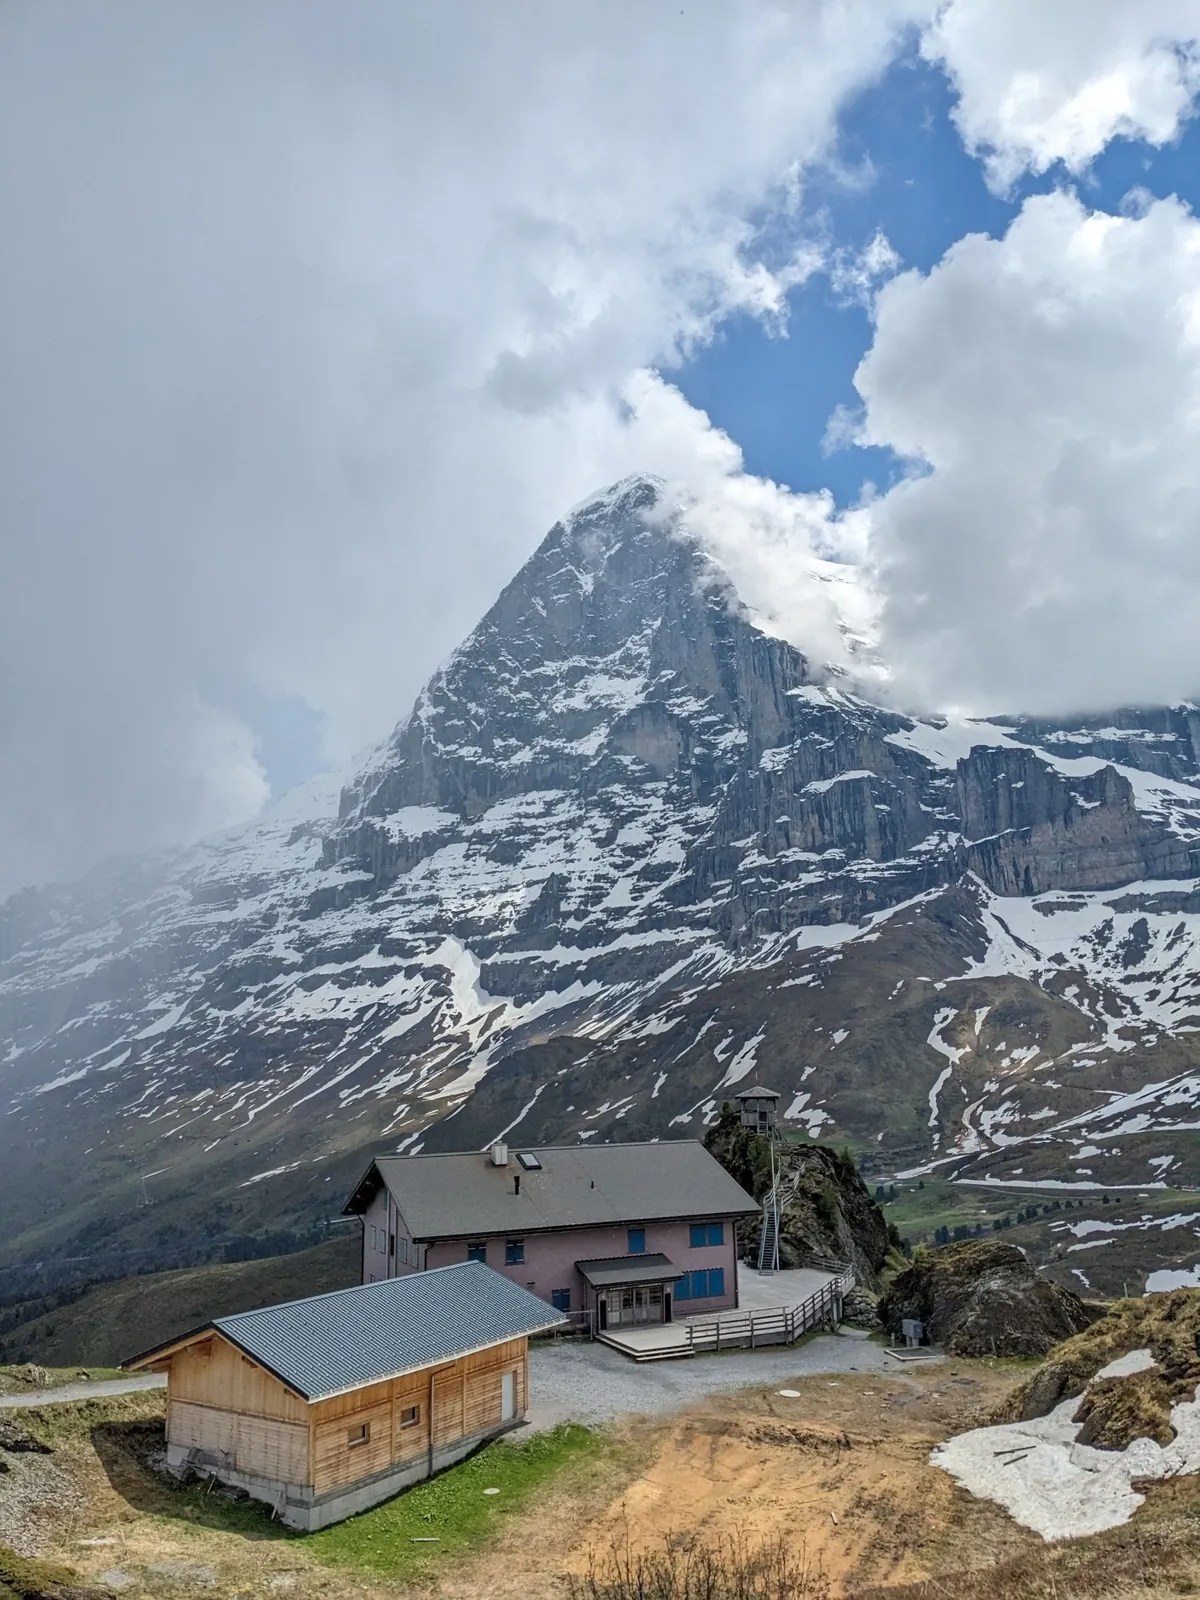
[(758, 1109)]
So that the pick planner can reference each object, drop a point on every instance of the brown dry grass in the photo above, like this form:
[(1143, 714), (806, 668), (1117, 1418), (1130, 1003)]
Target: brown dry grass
[(843, 1472)]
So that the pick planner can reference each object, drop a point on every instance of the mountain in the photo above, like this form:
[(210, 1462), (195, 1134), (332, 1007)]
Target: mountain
[(628, 850)]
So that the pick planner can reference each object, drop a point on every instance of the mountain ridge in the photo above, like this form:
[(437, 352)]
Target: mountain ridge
[(621, 814)]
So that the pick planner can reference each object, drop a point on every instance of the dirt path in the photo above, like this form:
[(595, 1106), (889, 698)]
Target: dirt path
[(65, 1392)]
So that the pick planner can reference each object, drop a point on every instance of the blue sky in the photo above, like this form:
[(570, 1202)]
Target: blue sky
[(900, 167)]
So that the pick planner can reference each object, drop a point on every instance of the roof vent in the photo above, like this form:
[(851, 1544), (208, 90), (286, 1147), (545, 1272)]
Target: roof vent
[(499, 1154)]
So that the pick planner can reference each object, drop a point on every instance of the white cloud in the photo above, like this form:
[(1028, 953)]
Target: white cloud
[(1042, 81), (855, 275), (313, 319), (1047, 386), (792, 559)]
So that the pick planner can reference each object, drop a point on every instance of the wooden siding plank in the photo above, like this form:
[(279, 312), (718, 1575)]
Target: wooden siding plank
[(261, 1445), (226, 1378)]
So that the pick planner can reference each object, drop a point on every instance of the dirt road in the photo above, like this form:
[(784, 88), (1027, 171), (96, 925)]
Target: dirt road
[(64, 1392)]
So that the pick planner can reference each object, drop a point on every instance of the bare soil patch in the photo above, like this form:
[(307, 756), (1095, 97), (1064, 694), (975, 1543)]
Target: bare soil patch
[(842, 1472)]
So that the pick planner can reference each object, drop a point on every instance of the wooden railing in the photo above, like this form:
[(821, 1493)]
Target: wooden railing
[(748, 1330)]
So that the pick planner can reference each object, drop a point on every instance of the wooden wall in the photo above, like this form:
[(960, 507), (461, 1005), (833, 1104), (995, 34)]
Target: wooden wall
[(225, 1405), (232, 1410), (466, 1401)]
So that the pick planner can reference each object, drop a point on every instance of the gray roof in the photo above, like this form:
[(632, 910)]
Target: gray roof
[(575, 1186), (335, 1342), (650, 1268), (757, 1093)]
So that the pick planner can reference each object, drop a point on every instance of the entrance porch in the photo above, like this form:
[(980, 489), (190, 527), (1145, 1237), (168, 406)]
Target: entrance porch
[(634, 1291)]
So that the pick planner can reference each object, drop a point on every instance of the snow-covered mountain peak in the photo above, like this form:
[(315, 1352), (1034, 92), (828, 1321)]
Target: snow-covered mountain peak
[(628, 846)]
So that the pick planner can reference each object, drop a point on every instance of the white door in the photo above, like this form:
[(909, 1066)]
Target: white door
[(508, 1397)]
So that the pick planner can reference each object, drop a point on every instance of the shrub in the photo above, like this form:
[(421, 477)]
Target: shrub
[(694, 1569)]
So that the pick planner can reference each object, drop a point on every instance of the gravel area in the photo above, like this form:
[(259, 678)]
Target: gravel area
[(576, 1381), (84, 1391), (35, 1492)]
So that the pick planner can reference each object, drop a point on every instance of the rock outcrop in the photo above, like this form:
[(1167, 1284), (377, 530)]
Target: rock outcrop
[(830, 1212), (1137, 1405), (983, 1298)]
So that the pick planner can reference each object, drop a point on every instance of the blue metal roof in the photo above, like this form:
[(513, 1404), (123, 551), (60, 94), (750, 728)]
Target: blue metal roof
[(339, 1341)]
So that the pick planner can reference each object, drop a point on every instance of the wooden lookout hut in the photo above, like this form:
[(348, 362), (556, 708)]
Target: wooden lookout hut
[(324, 1407), (758, 1108)]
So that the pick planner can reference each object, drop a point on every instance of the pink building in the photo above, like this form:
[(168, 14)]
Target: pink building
[(613, 1233)]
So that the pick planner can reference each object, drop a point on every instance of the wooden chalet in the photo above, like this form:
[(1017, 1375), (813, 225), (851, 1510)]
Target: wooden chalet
[(326, 1406)]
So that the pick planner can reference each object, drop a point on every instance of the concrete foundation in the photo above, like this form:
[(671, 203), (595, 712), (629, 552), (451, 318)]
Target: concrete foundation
[(298, 1507)]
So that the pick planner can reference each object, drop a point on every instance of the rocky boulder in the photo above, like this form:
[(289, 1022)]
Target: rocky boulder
[(983, 1298), (1116, 1410)]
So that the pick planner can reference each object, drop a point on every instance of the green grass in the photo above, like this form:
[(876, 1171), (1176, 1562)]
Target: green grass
[(452, 1508), (14, 1379)]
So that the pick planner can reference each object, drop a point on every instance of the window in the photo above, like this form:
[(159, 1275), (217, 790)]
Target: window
[(392, 1246), (477, 1251), (706, 1233), (514, 1252), (410, 1416), (706, 1284), (560, 1299), (374, 1237), (403, 1248), (359, 1434), (637, 1241)]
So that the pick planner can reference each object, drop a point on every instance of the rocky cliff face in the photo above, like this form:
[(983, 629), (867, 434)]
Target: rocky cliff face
[(626, 849)]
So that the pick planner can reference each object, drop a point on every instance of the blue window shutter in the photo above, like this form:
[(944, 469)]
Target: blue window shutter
[(637, 1241), (560, 1299), (699, 1235), (477, 1252), (716, 1280), (514, 1252), (716, 1233)]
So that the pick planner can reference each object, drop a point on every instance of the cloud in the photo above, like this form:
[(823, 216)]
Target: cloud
[(793, 560), (314, 318), (1045, 387), (1040, 83)]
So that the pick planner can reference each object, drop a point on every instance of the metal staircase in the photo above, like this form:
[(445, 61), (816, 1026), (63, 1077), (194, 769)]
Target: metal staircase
[(768, 1244), (776, 1199)]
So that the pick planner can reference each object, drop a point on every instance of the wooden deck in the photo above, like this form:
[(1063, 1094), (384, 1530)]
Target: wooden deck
[(775, 1308)]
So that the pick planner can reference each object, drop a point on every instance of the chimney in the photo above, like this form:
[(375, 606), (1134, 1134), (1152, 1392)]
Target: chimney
[(516, 1183), (499, 1154)]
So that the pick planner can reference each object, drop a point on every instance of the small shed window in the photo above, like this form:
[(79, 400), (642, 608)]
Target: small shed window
[(410, 1416), (359, 1434), (514, 1252)]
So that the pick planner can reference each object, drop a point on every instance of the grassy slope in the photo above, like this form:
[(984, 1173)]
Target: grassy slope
[(115, 1320), (424, 1534)]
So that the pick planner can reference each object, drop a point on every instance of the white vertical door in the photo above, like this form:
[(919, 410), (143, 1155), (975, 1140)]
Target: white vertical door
[(508, 1397)]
